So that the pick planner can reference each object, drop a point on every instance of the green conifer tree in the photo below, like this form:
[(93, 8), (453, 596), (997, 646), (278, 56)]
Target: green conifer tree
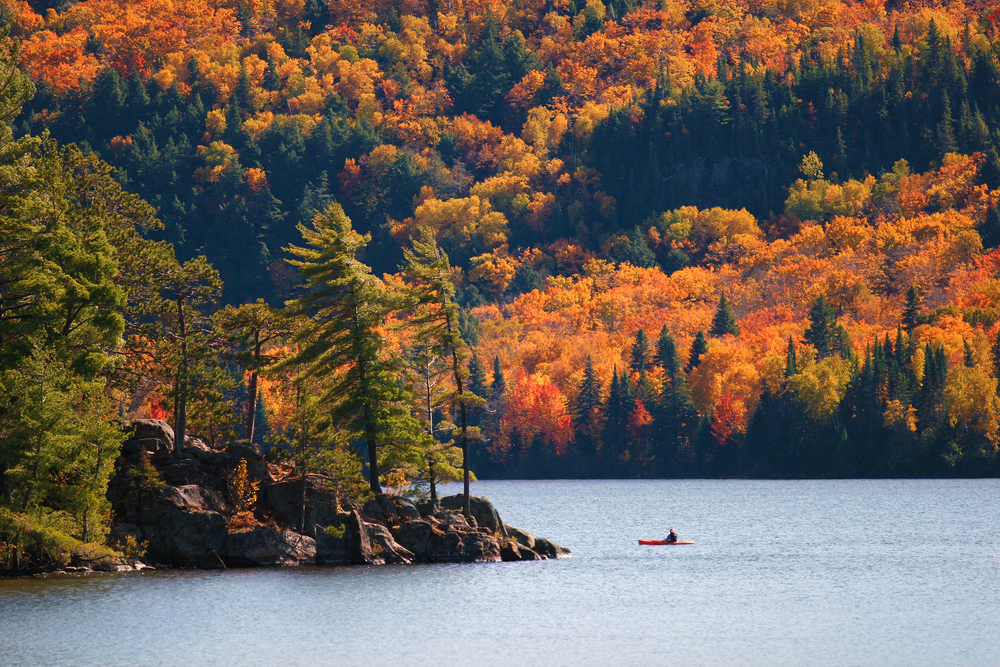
[(826, 334), (338, 341), (587, 411), (698, 347), (911, 310), (477, 386), (639, 358), (724, 322), (791, 366), (499, 387), (428, 269)]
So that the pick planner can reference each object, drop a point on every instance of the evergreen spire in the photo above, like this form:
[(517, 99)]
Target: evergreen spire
[(969, 357), (911, 311), (791, 368), (589, 399), (499, 386), (724, 321), (640, 352), (698, 347)]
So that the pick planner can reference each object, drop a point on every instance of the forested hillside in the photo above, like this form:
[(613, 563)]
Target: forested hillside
[(714, 237)]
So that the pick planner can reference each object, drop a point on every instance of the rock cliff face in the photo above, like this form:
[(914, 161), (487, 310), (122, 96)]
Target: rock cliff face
[(180, 509)]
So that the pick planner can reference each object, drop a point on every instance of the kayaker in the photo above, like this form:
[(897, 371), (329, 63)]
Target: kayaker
[(672, 537)]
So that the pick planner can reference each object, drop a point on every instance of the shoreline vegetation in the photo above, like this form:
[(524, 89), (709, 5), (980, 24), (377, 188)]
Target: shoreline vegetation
[(393, 244), (223, 508)]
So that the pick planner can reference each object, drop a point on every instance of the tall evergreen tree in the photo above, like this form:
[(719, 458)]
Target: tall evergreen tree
[(666, 349), (826, 334), (674, 416), (499, 387), (639, 358), (429, 270), (616, 410), (911, 310), (698, 347), (477, 386), (338, 341), (791, 366), (587, 411), (724, 322)]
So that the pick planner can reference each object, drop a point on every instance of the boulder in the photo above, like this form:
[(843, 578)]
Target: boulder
[(136, 449), (189, 471), (182, 537), (211, 561), (479, 548), (523, 537), (344, 543), (513, 551), (453, 520), (267, 546), (256, 467), (482, 511), (417, 538), (284, 498), (155, 435), (405, 509), (447, 547), (384, 548), (427, 508), (380, 509), (548, 549), (193, 495)]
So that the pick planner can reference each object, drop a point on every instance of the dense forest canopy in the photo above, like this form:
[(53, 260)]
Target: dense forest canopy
[(660, 238)]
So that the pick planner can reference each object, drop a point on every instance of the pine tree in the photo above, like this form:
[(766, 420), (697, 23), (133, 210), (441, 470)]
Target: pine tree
[(791, 367), (826, 334), (338, 341), (724, 322), (666, 349), (911, 311), (615, 418), (989, 227), (587, 410), (931, 410), (428, 269), (969, 357), (499, 387), (674, 414), (639, 358), (698, 347), (477, 386)]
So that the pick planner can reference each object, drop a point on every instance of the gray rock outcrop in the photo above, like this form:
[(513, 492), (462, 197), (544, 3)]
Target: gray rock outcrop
[(264, 546), (179, 508)]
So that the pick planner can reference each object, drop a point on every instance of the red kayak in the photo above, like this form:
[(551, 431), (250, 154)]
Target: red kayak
[(659, 542)]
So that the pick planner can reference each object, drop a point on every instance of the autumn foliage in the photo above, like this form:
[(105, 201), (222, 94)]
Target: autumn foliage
[(596, 169)]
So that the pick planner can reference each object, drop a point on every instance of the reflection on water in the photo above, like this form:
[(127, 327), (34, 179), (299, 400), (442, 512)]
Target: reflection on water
[(781, 573)]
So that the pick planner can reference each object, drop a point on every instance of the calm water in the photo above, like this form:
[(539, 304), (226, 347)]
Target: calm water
[(874, 573)]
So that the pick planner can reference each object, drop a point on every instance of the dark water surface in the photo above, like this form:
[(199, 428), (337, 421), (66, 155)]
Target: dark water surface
[(876, 573)]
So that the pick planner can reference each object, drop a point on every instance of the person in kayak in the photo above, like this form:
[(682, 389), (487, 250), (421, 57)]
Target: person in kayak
[(672, 537)]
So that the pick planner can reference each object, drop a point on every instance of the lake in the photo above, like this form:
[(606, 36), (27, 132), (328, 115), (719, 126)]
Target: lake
[(845, 572)]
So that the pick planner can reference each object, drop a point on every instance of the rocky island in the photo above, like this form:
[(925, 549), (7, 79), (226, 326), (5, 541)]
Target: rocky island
[(178, 511)]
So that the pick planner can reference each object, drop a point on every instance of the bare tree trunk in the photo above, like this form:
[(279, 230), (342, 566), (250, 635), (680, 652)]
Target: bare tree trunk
[(302, 508), (180, 395), (466, 502), (252, 403), (373, 467), (433, 480)]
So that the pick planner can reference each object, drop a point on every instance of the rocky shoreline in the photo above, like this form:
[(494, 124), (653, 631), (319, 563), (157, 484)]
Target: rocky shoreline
[(178, 512)]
